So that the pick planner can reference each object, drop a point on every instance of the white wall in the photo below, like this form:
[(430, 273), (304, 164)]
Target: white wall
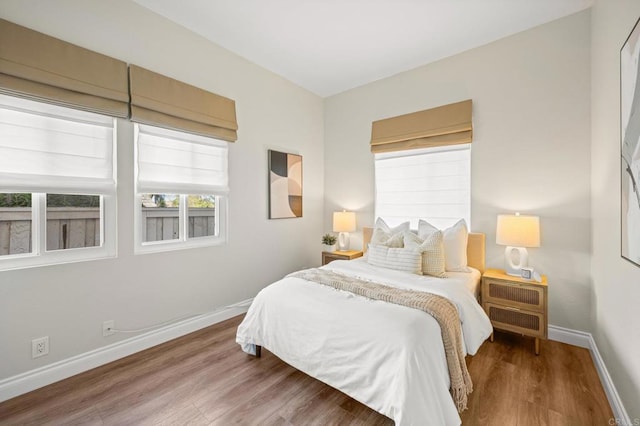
[(69, 302), (531, 152), (616, 282)]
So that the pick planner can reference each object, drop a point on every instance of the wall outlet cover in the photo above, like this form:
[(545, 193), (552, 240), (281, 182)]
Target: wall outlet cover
[(39, 347), (107, 328)]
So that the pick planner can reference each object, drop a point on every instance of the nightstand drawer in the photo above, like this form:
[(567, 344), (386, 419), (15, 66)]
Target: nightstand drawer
[(517, 320), (518, 295)]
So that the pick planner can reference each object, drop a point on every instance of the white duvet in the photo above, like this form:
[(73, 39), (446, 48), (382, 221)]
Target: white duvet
[(387, 356)]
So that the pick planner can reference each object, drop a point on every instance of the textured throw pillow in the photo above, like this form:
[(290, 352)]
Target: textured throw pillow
[(400, 259), (455, 244), (432, 250), (390, 237)]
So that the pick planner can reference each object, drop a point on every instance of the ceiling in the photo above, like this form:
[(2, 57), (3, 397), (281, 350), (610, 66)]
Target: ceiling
[(329, 46)]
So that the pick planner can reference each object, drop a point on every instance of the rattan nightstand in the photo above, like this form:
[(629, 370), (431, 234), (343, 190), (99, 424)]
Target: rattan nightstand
[(516, 304)]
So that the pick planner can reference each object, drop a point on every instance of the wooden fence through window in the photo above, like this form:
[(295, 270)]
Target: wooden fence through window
[(76, 227)]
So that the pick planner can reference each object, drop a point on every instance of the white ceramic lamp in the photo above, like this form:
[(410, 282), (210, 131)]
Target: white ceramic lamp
[(344, 222), (517, 233)]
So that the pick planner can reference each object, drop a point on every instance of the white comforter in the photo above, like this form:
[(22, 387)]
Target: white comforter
[(387, 356)]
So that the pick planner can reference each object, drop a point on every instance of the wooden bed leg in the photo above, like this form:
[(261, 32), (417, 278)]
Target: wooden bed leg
[(492, 337), (537, 346), (258, 351)]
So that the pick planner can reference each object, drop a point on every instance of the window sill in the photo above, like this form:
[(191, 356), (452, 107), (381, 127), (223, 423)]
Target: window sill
[(164, 246), (22, 261)]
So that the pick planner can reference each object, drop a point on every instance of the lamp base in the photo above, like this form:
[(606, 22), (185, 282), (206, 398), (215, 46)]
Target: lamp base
[(343, 241), (522, 258)]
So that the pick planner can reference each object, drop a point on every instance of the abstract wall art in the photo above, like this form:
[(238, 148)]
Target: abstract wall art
[(630, 146), (285, 185)]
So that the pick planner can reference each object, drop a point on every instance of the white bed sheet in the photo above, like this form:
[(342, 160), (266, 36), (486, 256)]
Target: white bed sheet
[(387, 356)]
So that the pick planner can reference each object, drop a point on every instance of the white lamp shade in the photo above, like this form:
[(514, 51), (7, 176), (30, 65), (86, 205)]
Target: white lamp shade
[(518, 231), (344, 221)]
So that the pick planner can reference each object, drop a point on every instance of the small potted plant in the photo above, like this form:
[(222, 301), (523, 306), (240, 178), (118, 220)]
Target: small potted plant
[(329, 242)]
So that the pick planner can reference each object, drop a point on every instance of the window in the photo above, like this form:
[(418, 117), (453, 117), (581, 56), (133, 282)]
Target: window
[(181, 190), (431, 184), (57, 186)]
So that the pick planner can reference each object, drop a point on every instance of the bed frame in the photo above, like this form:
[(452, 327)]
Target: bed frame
[(475, 248), (475, 256)]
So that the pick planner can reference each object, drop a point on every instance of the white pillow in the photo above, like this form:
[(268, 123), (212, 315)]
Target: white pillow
[(455, 244), (380, 223), (390, 237), (432, 250), (400, 259)]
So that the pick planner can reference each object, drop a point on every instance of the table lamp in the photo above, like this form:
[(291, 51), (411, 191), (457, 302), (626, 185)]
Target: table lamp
[(517, 233), (344, 222)]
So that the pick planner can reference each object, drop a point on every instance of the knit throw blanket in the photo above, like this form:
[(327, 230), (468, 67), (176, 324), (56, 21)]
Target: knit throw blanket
[(438, 307)]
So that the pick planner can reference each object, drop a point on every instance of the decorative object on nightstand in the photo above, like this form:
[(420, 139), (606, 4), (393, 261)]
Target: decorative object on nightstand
[(516, 304), (517, 232), (344, 222), (329, 242), (330, 256)]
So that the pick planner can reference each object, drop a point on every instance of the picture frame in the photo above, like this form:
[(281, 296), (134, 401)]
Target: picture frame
[(630, 147), (526, 273), (285, 185)]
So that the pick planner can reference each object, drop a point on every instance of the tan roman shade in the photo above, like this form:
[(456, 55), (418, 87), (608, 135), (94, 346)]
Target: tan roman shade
[(36, 66), (164, 102), (445, 125)]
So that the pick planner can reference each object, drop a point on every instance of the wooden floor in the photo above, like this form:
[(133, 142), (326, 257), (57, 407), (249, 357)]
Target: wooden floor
[(205, 379)]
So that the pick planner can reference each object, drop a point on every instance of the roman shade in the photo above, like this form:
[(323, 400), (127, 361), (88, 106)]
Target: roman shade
[(445, 125), (170, 162), (43, 68), (49, 148), (424, 184), (164, 102)]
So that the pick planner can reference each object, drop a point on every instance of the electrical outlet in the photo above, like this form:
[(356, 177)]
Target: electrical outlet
[(39, 347), (107, 327)]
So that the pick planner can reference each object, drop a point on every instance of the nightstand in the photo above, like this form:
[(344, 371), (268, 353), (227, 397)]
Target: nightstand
[(516, 304), (330, 256)]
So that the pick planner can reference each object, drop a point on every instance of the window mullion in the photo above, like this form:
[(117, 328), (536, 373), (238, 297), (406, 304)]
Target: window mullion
[(39, 221), (184, 217)]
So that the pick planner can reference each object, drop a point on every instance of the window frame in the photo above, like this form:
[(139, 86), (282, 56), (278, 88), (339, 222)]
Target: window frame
[(183, 241), (39, 255)]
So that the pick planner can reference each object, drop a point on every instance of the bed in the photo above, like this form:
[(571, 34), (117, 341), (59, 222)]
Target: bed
[(389, 357)]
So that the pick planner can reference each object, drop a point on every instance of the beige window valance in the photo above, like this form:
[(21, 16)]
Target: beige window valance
[(165, 102), (445, 125), (40, 67)]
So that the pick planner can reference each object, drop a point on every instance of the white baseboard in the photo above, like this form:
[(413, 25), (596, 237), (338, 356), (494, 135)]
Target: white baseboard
[(569, 336), (39, 377), (585, 340)]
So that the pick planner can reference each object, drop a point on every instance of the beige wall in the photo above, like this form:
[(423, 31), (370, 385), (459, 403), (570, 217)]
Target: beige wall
[(69, 302), (616, 282), (531, 151)]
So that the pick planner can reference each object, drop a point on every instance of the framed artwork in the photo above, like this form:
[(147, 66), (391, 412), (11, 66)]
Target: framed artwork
[(285, 185), (630, 147)]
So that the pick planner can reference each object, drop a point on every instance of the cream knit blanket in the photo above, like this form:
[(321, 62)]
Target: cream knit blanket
[(438, 307)]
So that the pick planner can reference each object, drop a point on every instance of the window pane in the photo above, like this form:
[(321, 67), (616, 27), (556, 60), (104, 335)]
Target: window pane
[(202, 215), (160, 217), (73, 221), (15, 223)]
